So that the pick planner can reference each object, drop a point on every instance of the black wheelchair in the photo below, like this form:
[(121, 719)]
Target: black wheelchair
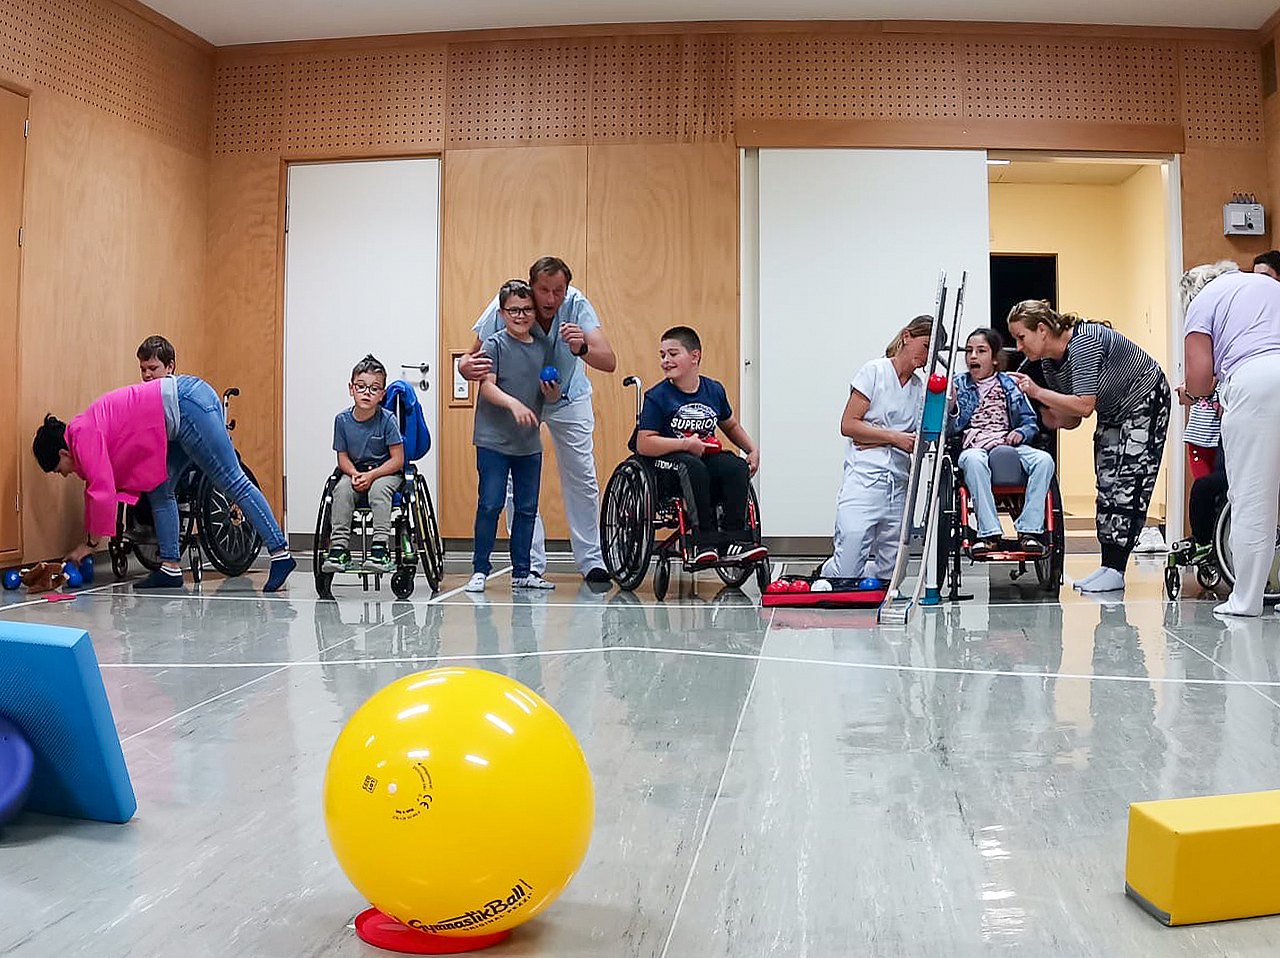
[(1008, 483), (415, 537), (640, 504), (1218, 566), (210, 524)]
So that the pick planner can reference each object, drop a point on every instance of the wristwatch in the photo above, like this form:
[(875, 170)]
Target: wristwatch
[(585, 347)]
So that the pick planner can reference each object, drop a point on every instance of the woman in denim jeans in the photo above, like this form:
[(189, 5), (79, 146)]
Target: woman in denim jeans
[(139, 440)]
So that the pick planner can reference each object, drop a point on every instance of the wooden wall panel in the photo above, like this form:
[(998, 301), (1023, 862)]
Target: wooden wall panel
[(242, 342), (662, 250), (114, 251), (502, 107), (503, 208), (512, 94), (13, 152), (111, 59)]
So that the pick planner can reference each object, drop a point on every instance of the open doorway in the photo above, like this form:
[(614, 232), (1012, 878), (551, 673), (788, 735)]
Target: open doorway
[(1104, 221)]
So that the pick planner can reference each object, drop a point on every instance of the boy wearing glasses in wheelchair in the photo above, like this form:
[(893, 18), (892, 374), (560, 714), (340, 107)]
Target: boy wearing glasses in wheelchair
[(370, 451), (678, 430)]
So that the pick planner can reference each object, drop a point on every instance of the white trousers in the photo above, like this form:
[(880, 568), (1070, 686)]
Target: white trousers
[(868, 522), (572, 427), (1250, 426)]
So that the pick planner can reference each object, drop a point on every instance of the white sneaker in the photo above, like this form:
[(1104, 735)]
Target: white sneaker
[(476, 583), (532, 581), (1150, 541)]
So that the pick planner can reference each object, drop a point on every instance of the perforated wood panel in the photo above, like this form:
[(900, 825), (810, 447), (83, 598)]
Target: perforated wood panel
[(1098, 80), (250, 107), (1222, 94), (661, 88), (15, 39), (795, 76), (506, 94), (107, 58)]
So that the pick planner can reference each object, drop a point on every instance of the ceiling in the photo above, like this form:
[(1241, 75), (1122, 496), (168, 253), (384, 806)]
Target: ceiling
[(1063, 172), (254, 21)]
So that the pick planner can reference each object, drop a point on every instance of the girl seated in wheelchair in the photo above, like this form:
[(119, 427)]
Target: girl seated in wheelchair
[(678, 430), (990, 411)]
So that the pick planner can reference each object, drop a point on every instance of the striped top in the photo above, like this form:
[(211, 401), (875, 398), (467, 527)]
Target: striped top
[(1204, 424), (1102, 363)]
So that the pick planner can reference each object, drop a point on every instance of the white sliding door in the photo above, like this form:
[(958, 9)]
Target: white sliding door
[(850, 246), (361, 276)]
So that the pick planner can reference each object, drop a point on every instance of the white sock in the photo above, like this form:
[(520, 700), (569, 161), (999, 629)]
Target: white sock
[(1106, 580), (1225, 609), (1087, 579)]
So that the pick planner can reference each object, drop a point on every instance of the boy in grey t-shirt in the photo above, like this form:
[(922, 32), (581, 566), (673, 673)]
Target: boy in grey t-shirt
[(507, 437), (370, 451)]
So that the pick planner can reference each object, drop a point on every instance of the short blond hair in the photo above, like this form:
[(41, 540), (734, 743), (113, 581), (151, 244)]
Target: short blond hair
[(1198, 277)]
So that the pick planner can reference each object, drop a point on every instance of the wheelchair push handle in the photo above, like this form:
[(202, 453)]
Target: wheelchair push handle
[(227, 396), (639, 387)]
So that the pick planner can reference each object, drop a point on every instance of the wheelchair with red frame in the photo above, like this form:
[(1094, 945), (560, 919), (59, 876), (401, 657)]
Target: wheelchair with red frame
[(643, 516), (1008, 484)]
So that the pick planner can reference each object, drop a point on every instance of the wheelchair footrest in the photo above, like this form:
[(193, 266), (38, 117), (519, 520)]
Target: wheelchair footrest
[(1007, 555)]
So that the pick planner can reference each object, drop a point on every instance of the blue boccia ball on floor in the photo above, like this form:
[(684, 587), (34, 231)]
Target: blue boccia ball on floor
[(12, 580), (72, 572), (550, 374), (86, 570)]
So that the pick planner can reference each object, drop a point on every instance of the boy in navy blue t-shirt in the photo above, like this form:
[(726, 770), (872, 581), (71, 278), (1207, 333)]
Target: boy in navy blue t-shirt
[(678, 429)]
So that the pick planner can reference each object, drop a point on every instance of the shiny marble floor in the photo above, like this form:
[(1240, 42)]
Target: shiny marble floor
[(789, 784)]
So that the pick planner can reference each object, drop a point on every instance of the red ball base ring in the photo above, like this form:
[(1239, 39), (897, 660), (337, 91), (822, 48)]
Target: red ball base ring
[(383, 931)]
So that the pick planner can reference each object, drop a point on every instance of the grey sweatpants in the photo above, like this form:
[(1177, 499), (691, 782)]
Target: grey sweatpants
[(344, 504)]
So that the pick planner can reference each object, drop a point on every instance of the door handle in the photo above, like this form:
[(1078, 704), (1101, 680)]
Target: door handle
[(421, 369)]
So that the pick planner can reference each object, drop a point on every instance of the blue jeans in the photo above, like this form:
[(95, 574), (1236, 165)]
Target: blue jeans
[(203, 440), (977, 476), (526, 476)]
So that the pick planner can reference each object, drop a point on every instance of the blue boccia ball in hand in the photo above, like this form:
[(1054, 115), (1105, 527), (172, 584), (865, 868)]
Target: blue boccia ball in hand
[(86, 570), (550, 374), (12, 580)]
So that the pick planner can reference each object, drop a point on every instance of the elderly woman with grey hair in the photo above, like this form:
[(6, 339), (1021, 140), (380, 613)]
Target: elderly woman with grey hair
[(1232, 333)]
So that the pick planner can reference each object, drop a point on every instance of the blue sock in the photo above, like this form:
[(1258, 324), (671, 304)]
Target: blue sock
[(281, 566)]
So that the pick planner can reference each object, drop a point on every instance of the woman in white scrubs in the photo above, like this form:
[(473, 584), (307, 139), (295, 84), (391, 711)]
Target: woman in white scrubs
[(1233, 333), (880, 421)]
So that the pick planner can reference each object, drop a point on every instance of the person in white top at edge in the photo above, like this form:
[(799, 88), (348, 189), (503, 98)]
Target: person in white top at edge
[(569, 327)]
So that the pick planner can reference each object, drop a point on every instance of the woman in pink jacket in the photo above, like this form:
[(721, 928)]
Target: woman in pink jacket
[(139, 440)]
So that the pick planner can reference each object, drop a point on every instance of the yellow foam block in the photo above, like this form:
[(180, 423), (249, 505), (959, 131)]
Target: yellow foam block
[(1205, 859)]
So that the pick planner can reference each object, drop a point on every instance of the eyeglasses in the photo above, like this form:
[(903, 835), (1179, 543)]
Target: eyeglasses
[(518, 310), (369, 389)]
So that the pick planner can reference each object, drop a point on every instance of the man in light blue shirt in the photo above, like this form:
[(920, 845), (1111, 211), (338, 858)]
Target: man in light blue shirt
[(570, 331)]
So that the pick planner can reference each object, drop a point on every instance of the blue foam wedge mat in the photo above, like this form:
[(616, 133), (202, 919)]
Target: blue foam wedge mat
[(51, 690)]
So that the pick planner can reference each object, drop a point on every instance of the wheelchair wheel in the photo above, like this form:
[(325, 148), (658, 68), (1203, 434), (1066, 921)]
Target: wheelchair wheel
[(626, 524), (1222, 545), (662, 579), (735, 575), (1049, 570), (1172, 582), (320, 545), (402, 583), (427, 534), (119, 558), (764, 575), (226, 534), (1208, 575)]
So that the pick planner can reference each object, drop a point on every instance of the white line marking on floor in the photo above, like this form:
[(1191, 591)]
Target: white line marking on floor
[(715, 800)]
